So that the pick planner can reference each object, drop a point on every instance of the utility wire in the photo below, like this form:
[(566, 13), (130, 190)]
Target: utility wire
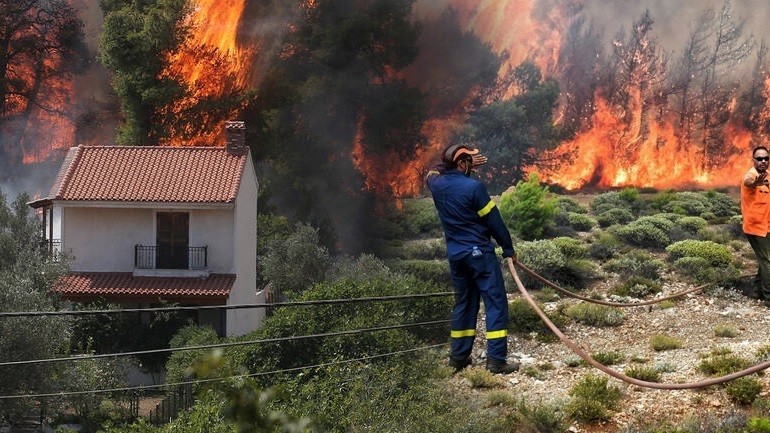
[(221, 307), (190, 382), (230, 344)]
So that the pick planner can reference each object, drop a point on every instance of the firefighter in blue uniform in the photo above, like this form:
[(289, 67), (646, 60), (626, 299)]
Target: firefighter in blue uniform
[(470, 220)]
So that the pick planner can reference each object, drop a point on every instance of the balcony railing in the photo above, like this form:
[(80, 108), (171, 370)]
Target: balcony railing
[(161, 257), (51, 247)]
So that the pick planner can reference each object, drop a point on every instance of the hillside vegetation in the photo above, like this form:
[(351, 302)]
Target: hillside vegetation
[(621, 245)]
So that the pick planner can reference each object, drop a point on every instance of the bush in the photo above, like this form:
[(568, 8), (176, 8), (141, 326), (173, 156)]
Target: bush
[(647, 374), (638, 287), (725, 331), (546, 258), (481, 378), (636, 262), (722, 205), (178, 366), (294, 263), (529, 209), (436, 271), (571, 248), (717, 255), (744, 390), (592, 398), (613, 216), (688, 203), (604, 246), (692, 223), (720, 364), (522, 319), (595, 314), (608, 358), (697, 268), (540, 418), (645, 233), (337, 317), (566, 204), (420, 217), (627, 199), (662, 342), (581, 222)]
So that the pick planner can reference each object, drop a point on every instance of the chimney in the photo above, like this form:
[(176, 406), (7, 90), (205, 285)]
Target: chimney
[(235, 137)]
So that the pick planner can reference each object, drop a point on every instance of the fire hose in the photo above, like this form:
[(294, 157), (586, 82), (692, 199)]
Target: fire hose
[(617, 375), (610, 303)]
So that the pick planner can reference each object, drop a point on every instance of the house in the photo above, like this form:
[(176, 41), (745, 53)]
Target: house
[(144, 225)]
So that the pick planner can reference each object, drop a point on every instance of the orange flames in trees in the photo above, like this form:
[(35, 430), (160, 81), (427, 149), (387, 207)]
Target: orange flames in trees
[(212, 62)]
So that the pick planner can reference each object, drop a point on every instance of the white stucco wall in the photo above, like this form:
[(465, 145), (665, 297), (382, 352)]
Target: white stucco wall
[(102, 239), (241, 321)]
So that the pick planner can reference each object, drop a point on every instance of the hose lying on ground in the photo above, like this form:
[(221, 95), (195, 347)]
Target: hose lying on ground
[(617, 375)]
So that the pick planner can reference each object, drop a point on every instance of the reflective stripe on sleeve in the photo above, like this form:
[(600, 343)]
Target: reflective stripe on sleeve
[(486, 209), (491, 335), (463, 333)]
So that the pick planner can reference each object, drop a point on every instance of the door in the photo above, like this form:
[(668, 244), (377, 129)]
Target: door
[(172, 240)]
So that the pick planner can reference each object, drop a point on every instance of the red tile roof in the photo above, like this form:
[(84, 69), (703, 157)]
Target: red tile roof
[(125, 286), (149, 174)]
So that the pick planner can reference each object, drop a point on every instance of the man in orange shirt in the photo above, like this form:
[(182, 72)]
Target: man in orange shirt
[(755, 204)]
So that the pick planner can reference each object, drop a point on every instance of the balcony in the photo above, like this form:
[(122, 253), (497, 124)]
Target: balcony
[(159, 260)]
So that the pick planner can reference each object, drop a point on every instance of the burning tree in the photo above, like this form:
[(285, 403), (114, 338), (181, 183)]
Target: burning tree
[(41, 47)]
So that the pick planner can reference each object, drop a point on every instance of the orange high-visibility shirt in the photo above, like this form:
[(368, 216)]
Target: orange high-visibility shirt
[(754, 206)]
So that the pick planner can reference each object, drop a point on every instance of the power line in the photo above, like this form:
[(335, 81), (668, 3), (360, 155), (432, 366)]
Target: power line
[(221, 307), (243, 376), (219, 345)]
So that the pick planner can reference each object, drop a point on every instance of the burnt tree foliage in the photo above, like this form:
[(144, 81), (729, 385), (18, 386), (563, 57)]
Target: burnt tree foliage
[(41, 46)]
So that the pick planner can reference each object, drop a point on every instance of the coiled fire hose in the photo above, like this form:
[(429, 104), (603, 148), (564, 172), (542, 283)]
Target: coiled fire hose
[(617, 375)]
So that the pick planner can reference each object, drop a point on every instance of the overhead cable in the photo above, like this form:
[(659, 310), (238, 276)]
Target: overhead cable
[(220, 345), (221, 307), (217, 379)]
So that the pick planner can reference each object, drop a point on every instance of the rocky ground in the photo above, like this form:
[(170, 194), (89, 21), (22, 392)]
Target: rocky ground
[(546, 376)]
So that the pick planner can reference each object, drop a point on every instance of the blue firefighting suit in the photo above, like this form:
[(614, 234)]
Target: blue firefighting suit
[(469, 217)]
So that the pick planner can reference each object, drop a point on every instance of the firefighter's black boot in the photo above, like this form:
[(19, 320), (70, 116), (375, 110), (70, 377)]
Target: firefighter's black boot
[(501, 367), (459, 363)]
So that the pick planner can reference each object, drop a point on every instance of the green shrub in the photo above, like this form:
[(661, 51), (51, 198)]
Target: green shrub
[(721, 364), (627, 199), (294, 263), (540, 418), (420, 216), (613, 216), (758, 424), (636, 262), (436, 271), (501, 398), (425, 249), (522, 319), (571, 248), (596, 388), (662, 342), (638, 287), (180, 363), (543, 257), (604, 246), (716, 254), (688, 203), (592, 398), (481, 378), (763, 353), (718, 234), (725, 330), (692, 223), (585, 410), (567, 204), (608, 358), (722, 205), (644, 234), (696, 267), (581, 222), (529, 208), (744, 390), (647, 374), (595, 314)]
